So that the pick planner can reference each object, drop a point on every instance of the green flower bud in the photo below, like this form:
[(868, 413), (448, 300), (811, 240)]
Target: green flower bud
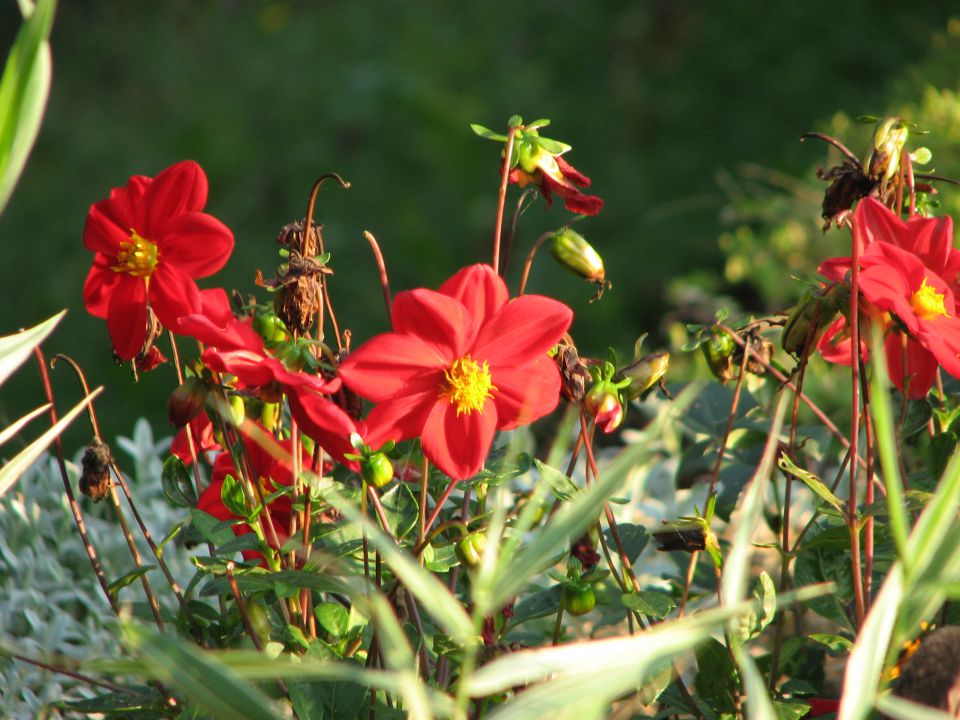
[(811, 315), (572, 251), (237, 409), (259, 621), (376, 470), (717, 350), (186, 402), (888, 141), (528, 156), (269, 327), (471, 547), (644, 374), (578, 598)]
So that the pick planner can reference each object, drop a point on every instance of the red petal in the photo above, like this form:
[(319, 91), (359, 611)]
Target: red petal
[(917, 363), (391, 364), (197, 243), (400, 418), (325, 422), (523, 331), (109, 221), (458, 445), (576, 201), (127, 317), (526, 393), (480, 289), (436, 318), (181, 188), (211, 501), (172, 295), (99, 286), (931, 239), (216, 326), (571, 173), (873, 222)]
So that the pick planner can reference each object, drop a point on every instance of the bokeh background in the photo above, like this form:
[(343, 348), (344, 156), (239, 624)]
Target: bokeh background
[(686, 115)]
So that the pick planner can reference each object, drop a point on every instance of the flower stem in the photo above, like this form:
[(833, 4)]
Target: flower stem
[(381, 269), (68, 490), (529, 262), (502, 197)]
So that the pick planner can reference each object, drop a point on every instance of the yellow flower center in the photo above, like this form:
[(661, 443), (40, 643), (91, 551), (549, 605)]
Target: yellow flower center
[(927, 302), (137, 256), (467, 385)]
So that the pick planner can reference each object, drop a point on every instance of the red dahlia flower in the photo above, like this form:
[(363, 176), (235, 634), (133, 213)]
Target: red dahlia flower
[(460, 364), (269, 473), (908, 270), (151, 241), (554, 174)]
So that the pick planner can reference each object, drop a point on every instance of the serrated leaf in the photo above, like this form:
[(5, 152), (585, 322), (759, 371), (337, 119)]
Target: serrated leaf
[(650, 603)]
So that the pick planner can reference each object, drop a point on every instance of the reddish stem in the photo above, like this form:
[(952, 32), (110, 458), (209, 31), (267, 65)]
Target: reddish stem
[(502, 198)]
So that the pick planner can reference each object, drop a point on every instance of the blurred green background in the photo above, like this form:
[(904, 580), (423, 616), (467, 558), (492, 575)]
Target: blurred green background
[(686, 115)]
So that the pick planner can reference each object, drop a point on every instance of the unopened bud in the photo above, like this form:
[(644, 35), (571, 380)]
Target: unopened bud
[(717, 351), (95, 478), (569, 247), (602, 403), (806, 321), (376, 470), (186, 402), (528, 156), (888, 141), (644, 374)]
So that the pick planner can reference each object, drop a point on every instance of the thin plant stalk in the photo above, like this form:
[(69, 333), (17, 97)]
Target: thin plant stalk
[(502, 197), (68, 490)]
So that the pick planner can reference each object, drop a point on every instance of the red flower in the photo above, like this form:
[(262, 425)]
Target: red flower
[(554, 174), (908, 270), (151, 241), (265, 469), (215, 325), (460, 364), (203, 439)]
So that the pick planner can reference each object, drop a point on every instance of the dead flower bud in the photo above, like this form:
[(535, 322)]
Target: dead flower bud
[(95, 478), (574, 375)]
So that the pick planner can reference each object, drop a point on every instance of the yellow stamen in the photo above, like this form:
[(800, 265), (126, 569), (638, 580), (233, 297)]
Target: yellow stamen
[(137, 256), (927, 302), (467, 385)]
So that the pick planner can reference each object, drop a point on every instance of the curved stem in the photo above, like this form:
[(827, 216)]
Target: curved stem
[(836, 143), (68, 490), (526, 266), (502, 197), (381, 268), (518, 210), (854, 322)]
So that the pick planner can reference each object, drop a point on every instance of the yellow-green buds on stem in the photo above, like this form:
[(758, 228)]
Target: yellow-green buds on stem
[(577, 255), (644, 373), (602, 401), (888, 140)]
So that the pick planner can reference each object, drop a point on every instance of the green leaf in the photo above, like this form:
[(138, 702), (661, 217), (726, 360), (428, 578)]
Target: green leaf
[(762, 610), (539, 604), (177, 484), (537, 124), (139, 702), (562, 486), (333, 617), (717, 679), (16, 349), (12, 471), (651, 603), (554, 147), (199, 676), (633, 537), (837, 644), (514, 121), (440, 559), (17, 425), (124, 580), (400, 505), (232, 496), (487, 133), (335, 700), (24, 88), (811, 481), (212, 529)]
